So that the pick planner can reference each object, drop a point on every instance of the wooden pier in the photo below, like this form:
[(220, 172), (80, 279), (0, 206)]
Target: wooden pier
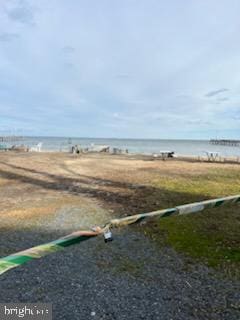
[(10, 138), (226, 142)]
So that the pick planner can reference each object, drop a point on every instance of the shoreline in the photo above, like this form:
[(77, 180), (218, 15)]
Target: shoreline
[(145, 156)]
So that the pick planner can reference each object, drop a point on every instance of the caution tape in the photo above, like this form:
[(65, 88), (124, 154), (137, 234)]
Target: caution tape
[(179, 210), (21, 257)]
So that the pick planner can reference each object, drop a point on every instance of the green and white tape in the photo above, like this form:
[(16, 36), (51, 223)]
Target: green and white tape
[(20, 258), (179, 210)]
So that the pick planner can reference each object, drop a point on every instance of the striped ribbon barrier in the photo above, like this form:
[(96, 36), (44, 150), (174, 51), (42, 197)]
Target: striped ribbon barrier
[(21, 257)]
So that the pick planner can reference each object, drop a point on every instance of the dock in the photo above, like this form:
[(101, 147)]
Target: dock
[(226, 142), (10, 138)]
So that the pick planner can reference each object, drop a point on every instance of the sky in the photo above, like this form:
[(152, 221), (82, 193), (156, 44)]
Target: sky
[(122, 69)]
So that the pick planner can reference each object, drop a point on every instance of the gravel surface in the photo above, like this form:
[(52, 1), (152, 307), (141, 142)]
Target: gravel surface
[(126, 279)]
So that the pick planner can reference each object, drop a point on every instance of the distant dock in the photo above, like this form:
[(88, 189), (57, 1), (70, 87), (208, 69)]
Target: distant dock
[(225, 142), (10, 138)]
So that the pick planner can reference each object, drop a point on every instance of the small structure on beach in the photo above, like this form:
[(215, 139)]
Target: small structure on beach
[(10, 143), (19, 148), (117, 151), (164, 154), (92, 148), (99, 148), (76, 149), (3, 147), (212, 155), (37, 147)]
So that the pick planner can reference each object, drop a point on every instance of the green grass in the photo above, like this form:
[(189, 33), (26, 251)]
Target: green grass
[(212, 236), (213, 183)]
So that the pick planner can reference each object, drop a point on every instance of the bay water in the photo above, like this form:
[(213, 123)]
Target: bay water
[(144, 146)]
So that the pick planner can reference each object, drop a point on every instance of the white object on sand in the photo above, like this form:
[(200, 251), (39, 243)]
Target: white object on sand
[(37, 148)]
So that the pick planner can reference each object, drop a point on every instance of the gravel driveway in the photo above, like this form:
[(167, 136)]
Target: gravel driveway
[(126, 279)]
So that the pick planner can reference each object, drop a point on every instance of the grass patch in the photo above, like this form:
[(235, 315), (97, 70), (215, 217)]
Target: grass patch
[(213, 183), (212, 236)]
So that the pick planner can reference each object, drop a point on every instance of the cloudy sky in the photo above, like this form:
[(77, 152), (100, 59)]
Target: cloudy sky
[(123, 68)]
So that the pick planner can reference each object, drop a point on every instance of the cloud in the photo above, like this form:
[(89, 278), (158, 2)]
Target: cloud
[(223, 99), (7, 36), (21, 12), (215, 92), (143, 69), (198, 122)]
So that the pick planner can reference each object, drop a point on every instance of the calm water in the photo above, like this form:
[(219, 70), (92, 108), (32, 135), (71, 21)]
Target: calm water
[(181, 147)]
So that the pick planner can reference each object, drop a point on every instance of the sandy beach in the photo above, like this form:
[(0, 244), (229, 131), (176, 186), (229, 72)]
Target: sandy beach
[(47, 195)]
